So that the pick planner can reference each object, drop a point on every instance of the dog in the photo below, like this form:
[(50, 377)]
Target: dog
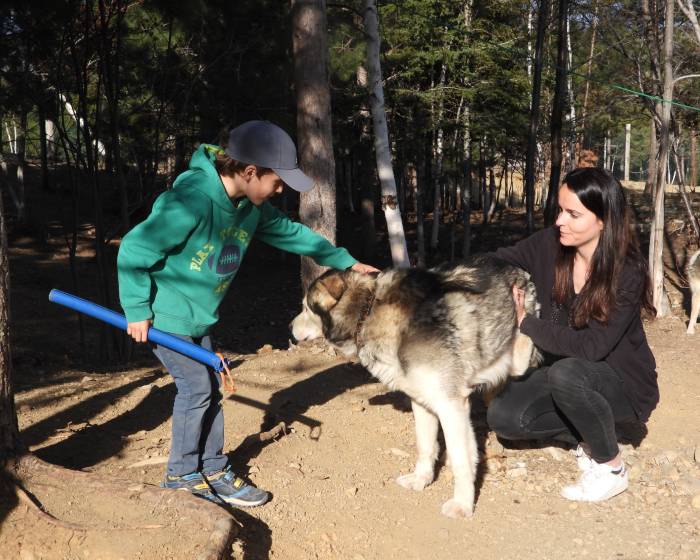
[(693, 273), (434, 334)]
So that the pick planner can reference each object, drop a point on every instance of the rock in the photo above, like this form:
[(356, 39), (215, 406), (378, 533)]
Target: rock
[(254, 469), (352, 491), (666, 457), (635, 471), (695, 502), (516, 472), (398, 452), (265, 349), (557, 454)]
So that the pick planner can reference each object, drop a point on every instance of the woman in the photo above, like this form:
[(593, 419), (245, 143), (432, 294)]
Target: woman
[(592, 284)]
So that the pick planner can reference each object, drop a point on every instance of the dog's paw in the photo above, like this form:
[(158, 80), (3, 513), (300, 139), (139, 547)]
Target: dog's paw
[(456, 509), (414, 481)]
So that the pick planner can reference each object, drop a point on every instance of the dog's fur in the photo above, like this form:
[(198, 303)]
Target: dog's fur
[(435, 335), (693, 272)]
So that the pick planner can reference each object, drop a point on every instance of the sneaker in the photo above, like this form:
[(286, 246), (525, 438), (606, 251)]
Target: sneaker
[(583, 457), (600, 482), (193, 482), (234, 490)]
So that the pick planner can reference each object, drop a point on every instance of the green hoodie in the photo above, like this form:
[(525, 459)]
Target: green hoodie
[(177, 265)]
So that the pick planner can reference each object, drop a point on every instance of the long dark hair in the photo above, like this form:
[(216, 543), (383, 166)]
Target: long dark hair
[(618, 246)]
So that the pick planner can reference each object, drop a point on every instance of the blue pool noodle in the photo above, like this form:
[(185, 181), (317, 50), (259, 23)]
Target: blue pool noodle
[(118, 320)]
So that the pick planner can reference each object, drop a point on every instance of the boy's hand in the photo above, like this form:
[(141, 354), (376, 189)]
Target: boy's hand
[(363, 268), (139, 330)]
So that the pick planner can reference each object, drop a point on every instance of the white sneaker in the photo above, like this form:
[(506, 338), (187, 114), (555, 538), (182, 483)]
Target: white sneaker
[(583, 457), (598, 483)]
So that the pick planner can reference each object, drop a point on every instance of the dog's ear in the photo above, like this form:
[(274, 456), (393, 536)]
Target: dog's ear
[(331, 289)]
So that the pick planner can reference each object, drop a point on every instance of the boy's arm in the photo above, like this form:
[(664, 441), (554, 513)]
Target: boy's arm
[(170, 223), (276, 229)]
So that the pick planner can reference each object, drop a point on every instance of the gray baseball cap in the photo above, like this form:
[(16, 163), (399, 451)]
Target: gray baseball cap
[(267, 145)]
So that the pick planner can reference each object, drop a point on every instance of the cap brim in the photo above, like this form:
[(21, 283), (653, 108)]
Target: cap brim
[(295, 179)]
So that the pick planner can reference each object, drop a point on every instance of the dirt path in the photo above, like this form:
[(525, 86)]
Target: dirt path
[(332, 474)]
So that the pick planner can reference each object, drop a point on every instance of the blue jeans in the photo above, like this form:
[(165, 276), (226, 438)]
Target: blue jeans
[(198, 419), (571, 400)]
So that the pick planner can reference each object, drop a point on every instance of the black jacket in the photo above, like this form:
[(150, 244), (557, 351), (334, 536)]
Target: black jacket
[(621, 343)]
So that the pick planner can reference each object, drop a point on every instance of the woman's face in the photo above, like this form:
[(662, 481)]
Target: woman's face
[(578, 226)]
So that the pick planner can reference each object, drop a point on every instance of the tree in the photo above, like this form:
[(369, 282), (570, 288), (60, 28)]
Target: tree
[(542, 20), (557, 112), (317, 207), (397, 239), (657, 229), (10, 444)]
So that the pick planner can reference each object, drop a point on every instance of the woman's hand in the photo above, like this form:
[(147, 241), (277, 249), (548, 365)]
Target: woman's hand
[(139, 330), (519, 299), (363, 268)]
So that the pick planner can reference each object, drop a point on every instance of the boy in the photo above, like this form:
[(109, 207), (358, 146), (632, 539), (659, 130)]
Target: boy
[(177, 265)]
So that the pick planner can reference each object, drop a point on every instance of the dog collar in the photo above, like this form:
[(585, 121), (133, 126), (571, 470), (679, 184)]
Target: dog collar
[(363, 316)]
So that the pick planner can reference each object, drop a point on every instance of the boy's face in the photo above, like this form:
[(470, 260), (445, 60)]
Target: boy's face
[(259, 189)]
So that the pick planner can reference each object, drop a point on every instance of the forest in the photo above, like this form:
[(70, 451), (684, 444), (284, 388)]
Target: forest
[(433, 130)]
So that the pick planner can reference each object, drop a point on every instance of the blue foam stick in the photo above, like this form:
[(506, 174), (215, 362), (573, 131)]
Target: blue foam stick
[(118, 320)]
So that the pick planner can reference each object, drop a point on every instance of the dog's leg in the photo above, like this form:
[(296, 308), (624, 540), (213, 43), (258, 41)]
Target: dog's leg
[(427, 443), (694, 312), (463, 454)]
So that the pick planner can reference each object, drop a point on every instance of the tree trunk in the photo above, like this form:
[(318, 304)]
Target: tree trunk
[(397, 239), (650, 185), (43, 149), (437, 178), (589, 65), (693, 158), (550, 211), (628, 134), (10, 444), (317, 208), (542, 19), (657, 233)]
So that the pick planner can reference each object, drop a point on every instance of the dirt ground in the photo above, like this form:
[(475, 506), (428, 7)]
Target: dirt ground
[(332, 473)]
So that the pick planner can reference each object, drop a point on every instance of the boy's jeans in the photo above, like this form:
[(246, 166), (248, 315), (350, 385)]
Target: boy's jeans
[(198, 420)]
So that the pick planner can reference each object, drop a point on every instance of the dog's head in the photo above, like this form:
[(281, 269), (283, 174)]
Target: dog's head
[(332, 309)]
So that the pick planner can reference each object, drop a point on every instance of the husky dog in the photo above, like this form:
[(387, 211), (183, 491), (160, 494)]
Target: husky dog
[(435, 335), (693, 272)]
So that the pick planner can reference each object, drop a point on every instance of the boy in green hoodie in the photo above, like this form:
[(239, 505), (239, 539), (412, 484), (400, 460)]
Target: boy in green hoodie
[(176, 266)]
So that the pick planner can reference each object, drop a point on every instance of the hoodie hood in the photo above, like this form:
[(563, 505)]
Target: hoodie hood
[(202, 176)]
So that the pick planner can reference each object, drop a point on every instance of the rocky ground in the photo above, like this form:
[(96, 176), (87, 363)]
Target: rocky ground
[(332, 474)]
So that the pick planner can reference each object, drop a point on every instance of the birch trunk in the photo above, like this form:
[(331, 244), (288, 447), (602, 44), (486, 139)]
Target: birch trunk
[(397, 239), (317, 207)]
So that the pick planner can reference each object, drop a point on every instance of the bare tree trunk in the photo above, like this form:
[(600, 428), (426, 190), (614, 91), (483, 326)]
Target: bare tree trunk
[(571, 151), (688, 9), (557, 112), (43, 150), (657, 232), (542, 19), (317, 208), (109, 62), (693, 158), (10, 444), (650, 185), (628, 134), (397, 239), (437, 185), (589, 65), (467, 152)]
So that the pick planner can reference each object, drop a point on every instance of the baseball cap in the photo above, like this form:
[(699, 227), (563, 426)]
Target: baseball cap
[(267, 145)]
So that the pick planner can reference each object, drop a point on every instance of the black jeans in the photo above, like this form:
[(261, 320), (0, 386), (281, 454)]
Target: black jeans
[(572, 400)]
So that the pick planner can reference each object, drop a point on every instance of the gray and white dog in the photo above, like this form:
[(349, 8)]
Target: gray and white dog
[(693, 272), (434, 334)]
